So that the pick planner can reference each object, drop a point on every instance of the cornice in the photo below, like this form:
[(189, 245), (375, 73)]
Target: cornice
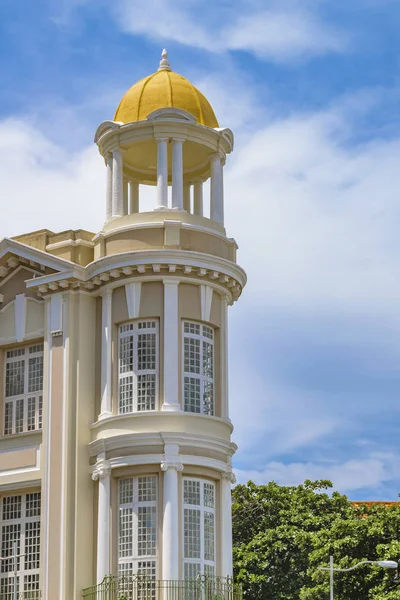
[(111, 134), (154, 264), (179, 463), (130, 440)]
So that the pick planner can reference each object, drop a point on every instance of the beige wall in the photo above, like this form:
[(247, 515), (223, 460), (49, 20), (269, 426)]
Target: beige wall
[(16, 285), (18, 459)]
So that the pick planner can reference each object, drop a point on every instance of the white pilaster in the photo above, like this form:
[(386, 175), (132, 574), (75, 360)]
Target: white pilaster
[(170, 535), (171, 345), (226, 523), (177, 174), (198, 198), (134, 196), (224, 359), (117, 185), (102, 473), (186, 196), (126, 197), (109, 166), (162, 172), (206, 297), (106, 355), (133, 292), (216, 190), (20, 316)]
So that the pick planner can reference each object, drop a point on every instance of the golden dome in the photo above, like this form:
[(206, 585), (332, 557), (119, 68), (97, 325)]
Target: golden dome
[(164, 89)]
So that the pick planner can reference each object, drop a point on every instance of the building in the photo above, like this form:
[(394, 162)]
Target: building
[(115, 453)]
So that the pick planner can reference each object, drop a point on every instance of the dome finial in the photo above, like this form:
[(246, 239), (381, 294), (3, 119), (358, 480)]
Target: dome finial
[(164, 62)]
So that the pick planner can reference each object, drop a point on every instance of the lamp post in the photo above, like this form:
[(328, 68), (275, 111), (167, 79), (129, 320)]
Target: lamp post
[(14, 557), (385, 564)]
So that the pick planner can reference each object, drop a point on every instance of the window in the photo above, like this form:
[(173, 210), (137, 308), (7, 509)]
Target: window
[(20, 524), (198, 368), (137, 537), (198, 528), (138, 360), (23, 389)]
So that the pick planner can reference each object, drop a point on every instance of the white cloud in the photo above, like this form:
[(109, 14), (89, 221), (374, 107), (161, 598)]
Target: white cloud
[(346, 477), (45, 187), (276, 31)]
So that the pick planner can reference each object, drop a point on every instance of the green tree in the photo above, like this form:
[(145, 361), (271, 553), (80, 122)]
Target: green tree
[(283, 533)]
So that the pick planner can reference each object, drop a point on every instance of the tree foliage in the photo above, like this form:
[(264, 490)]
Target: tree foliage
[(282, 534)]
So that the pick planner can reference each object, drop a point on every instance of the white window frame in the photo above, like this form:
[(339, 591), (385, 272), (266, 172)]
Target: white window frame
[(129, 565), (203, 379), (24, 574), (202, 562), (133, 330), (25, 354)]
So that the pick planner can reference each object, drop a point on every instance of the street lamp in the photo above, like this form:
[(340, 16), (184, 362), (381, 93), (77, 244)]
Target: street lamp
[(385, 564)]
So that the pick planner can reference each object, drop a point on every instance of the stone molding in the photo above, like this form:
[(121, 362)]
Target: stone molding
[(155, 264), (102, 470), (165, 465)]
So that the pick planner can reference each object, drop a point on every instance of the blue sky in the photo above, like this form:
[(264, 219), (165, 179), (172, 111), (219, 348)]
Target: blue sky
[(311, 89)]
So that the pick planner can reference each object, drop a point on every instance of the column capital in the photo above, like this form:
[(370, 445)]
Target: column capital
[(179, 140), (161, 138), (101, 470), (171, 281), (165, 465), (105, 291), (229, 475)]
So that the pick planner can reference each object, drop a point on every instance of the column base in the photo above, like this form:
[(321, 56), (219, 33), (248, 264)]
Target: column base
[(171, 408)]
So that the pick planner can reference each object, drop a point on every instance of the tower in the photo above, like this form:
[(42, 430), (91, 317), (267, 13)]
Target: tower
[(129, 435)]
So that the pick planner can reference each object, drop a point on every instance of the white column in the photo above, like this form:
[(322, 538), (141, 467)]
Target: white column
[(186, 196), (102, 473), (170, 534), (134, 196), (171, 346), (126, 197), (216, 188), (106, 355), (109, 165), (226, 523), (162, 172), (117, 185), (198, 198), (177, 174)]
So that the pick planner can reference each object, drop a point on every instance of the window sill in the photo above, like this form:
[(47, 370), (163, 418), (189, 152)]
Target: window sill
[(16, 440)]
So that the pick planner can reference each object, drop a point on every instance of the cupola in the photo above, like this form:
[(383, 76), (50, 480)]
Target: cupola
[(164, 134)]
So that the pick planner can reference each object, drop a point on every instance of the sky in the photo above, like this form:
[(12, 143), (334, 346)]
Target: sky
[(311, 90)]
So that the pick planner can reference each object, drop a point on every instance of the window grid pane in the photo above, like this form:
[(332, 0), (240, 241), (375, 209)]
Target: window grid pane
[(198, 367), (137, 536), (20, 524), (198, 528), (138, 356), (35, 374), (15, 372), (23, 387)]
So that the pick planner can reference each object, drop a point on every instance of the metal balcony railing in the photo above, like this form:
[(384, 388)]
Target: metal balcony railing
[(141, 588)]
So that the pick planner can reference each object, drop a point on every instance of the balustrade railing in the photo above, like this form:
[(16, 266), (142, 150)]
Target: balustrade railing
[(142, 588)]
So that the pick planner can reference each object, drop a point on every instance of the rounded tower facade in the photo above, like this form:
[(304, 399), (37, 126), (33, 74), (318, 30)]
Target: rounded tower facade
[(161, 449)]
